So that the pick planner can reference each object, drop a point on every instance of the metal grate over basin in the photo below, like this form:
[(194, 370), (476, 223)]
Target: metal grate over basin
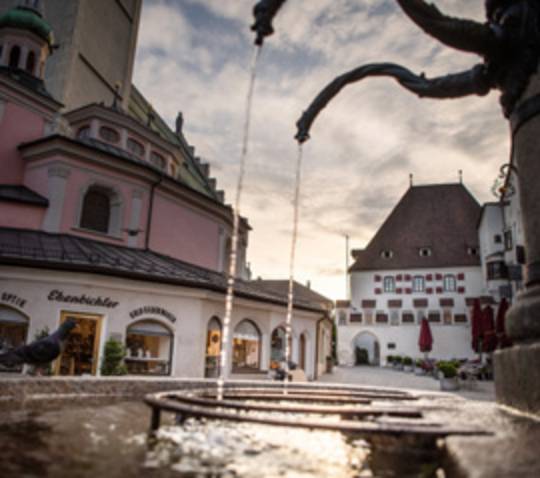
[(351, 410)]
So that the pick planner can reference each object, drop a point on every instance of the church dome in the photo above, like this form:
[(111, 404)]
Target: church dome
[(27, 19)]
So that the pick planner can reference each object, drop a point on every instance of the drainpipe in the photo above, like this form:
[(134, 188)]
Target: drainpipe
[(150, 211)]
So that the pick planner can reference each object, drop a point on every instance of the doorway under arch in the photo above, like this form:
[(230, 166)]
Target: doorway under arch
[(370, 343), (213, 348), (13, 332)]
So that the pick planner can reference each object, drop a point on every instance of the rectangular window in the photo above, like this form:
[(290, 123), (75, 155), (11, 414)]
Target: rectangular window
[(407, 318), (389, 284), (356, 317), (391, 345), (434, 316), (460, 319), (418, 284), (497, 270), (381, 318), (450, 283)]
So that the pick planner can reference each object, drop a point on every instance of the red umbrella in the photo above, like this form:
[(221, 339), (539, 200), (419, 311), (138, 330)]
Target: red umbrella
[(476, 326), (425, 341), (504, 341), (489, 342)]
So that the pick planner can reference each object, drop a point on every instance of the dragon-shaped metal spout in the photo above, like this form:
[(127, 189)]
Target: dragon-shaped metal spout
[(264, 12), (509, 43)]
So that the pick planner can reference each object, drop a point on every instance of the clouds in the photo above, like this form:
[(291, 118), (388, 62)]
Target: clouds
[(193, 56)]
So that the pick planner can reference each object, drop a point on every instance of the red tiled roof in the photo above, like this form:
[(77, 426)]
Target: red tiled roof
[(441, 217)]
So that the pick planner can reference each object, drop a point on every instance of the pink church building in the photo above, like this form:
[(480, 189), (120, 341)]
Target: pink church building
[(108, 217)]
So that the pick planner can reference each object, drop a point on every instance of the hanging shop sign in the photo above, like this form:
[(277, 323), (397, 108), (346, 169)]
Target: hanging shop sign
[(83, 299), (154, 310), (12, 299)]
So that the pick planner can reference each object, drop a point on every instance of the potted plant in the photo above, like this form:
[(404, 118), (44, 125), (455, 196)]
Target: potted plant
[(389, 360), (407, 364), (398, 362), (449, 376), (419, 367), (113, 358)]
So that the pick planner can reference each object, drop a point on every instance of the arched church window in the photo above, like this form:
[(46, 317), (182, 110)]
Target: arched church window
[(135, 148), (158, 161), (31, 62), (83, 132), (14, 56), (108, 134), (96, 209)]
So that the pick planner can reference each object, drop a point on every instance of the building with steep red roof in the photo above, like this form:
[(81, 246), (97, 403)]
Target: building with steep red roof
[(422, 262)]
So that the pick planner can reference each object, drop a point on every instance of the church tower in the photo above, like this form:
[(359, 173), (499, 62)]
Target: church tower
[(94, 47), (25, 39)]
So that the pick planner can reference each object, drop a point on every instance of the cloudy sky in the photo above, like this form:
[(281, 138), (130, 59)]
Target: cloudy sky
[(194, 56)]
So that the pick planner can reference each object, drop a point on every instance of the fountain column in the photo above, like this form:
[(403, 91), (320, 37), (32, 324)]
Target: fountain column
[(517, 369)]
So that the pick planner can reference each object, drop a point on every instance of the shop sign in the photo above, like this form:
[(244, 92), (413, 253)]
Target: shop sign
[(13, 299), (83, 299), (155, 310)]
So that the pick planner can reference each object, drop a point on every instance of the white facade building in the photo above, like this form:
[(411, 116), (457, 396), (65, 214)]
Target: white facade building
[(423, 262)]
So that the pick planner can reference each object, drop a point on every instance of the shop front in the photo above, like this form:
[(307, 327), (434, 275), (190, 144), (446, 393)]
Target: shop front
[(80, 354)]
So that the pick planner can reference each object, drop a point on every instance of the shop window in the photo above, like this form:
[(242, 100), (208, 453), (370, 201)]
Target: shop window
[(13, 333), (108, 134), (31, 62), (149, 348), (135, 148), (158, 161), (277, 350), (389, 284), (450, 283), (84, 132), (213, 348), (96, 209), (14, 56), (246, 347), (80, 355), (418, 284)]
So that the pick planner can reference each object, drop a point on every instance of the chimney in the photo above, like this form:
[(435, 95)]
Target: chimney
[(308, 284)]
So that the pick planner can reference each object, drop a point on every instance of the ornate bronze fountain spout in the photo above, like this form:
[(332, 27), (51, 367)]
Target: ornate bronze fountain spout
[(264, 12), (509, 43)]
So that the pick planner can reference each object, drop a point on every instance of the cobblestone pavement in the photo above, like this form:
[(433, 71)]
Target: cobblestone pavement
[(386, 377)]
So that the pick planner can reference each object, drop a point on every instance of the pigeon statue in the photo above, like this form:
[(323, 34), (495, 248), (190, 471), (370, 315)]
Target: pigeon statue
[(39, 352)]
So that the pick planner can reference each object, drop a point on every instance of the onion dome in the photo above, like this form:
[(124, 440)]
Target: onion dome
[(27, 18)]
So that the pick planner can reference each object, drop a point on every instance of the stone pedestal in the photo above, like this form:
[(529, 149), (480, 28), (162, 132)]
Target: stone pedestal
[(517, 369), (517, 377)]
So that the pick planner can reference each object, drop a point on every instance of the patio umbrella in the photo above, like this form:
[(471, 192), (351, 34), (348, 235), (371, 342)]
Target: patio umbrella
[(425, 340), (500, 325), (489, 336), (476, 327)]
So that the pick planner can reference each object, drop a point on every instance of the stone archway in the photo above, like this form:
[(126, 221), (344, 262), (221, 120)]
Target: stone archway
[(370, 342)]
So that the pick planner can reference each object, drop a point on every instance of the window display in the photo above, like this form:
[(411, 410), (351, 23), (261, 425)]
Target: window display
[(148, 348), (246, 347), (213, 348), (13, 333)]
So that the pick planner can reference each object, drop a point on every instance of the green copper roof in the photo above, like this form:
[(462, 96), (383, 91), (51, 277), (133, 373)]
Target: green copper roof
[(29, 20)]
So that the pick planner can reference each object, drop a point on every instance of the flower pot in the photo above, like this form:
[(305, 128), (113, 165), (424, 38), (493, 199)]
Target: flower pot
[(449, 384), (407, 368)]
